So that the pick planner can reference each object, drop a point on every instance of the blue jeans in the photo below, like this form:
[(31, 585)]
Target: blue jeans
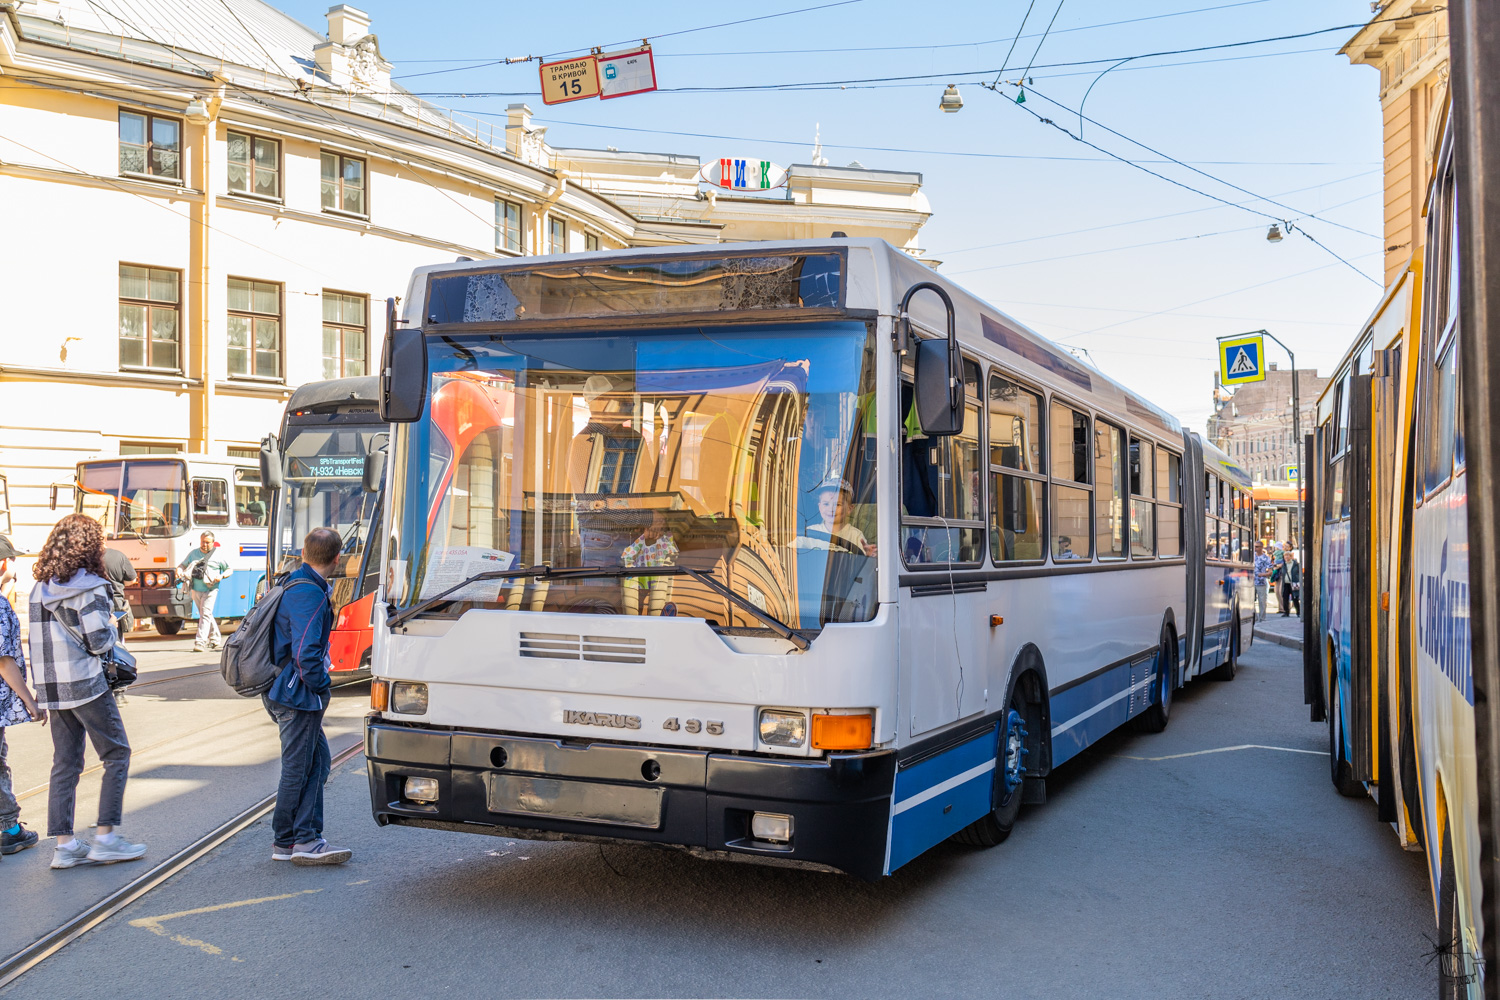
[(305, 763)]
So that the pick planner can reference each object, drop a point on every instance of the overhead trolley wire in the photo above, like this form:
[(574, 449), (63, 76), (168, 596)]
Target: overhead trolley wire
[(1026, 72), (1011, 51)]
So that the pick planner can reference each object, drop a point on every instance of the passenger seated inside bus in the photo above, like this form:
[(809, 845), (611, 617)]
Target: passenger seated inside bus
[(833, 531)]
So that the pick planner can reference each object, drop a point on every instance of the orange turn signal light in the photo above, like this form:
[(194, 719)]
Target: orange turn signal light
[(380, 695), (843, 732), (996, 621)]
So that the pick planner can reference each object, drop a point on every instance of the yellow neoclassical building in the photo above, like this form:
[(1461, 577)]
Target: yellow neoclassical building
[(206, 205), (1407, 42)]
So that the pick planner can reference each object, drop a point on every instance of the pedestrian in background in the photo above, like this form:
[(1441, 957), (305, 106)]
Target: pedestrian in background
[(1262, 580), (296, 702), (17, 705), (208, 570), (72, 630), (119, 572), (1291, 583)]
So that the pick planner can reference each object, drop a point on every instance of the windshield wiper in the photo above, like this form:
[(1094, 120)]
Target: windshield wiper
[(775, 624)]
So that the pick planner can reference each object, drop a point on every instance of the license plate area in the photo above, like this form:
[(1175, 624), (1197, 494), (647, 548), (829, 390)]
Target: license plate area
[(575, 801)]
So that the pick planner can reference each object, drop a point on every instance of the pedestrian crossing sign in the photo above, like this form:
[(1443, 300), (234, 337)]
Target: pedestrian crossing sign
[(1242, 359)]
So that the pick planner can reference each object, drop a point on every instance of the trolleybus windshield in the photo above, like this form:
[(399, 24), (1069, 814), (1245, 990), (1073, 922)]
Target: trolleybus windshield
[(324, 461), (744, 453), (134, 498)]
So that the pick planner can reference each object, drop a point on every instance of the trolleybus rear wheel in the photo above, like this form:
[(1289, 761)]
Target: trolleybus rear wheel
[(1155, 718), (1010, 779), (1343, 774)]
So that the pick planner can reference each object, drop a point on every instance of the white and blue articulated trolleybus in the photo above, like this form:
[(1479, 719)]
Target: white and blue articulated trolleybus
[(712, 548), (155, 509)]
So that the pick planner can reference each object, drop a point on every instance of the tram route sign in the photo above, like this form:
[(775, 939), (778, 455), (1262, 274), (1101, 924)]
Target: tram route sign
[(570, 80), (1242, 359), (632, 71)]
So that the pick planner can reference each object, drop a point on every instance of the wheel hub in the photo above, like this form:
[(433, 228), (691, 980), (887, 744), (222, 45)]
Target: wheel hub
[(1015, 752)]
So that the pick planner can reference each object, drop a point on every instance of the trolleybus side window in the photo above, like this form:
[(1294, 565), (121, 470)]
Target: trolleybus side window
[(942, 502), (1168, 503), (1017, 478), (1109, 490), (1442, 379), (210, 503), (1069, 444), (252, 501), (1142, 510)]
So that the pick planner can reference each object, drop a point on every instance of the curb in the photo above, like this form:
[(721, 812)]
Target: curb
[(1288, 641)]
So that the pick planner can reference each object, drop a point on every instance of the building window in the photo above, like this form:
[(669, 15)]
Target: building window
[(345, 335), (557, 236), (150, 146), (507, 225), (590, 242), (149, 310), (254, 165), (252, 454), (344, 184), (254, 329)]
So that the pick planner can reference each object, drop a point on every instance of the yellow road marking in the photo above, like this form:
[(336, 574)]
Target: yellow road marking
[(1242, 746), (154, 924)]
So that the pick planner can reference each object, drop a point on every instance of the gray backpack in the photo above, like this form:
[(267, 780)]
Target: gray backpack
[(248, 662)]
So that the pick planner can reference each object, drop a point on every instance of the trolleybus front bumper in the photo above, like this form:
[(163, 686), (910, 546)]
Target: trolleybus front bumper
[(549, 789)]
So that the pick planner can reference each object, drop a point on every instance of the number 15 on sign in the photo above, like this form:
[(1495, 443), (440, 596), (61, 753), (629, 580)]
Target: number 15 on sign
[(570, 80)]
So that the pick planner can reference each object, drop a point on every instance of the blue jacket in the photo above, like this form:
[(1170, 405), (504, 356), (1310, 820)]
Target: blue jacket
[(303, 621)]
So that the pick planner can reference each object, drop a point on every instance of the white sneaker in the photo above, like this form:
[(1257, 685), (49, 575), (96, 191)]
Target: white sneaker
[(112, 847), (279, 853), (321, 853), (198, 647), (69, 857)]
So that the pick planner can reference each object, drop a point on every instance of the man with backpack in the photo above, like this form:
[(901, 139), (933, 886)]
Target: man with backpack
[(297, 700)]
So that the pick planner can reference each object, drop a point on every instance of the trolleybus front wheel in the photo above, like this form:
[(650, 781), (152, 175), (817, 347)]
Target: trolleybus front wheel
[(1010, 780)]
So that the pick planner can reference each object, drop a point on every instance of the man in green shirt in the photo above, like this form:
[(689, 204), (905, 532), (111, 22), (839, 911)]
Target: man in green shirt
[(205, 569)]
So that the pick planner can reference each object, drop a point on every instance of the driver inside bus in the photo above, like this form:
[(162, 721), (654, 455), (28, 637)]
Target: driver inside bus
[(833, 531)]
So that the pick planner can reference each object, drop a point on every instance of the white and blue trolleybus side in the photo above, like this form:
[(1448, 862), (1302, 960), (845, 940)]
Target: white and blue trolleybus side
[(155, 509), (794, 552)]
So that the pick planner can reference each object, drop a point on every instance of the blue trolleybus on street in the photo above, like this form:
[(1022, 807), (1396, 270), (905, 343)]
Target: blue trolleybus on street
[(789, 551)]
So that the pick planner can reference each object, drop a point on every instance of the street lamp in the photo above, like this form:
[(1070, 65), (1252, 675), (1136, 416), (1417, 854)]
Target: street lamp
[(951, 101), (1273, 235)]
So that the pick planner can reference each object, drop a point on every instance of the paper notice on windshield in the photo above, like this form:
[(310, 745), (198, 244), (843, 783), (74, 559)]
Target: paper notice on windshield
[(454, 564)]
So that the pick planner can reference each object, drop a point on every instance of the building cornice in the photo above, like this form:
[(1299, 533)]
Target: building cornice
[(136, 380), (277, 210), (165, 190)]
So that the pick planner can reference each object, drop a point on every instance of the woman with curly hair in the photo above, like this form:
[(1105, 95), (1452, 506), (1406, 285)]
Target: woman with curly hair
[(72, 628)]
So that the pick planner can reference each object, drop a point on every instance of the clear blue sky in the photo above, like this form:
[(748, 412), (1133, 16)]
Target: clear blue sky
[(1294, 122)]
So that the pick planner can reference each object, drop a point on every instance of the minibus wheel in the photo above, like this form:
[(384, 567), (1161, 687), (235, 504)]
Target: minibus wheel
[(1453, 964), (167, 626), (1343, 774)]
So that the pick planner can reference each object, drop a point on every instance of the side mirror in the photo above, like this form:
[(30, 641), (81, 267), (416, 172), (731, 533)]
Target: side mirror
[(403, 371), (374, 478), (270, 463), (939, 389), (52, 498)]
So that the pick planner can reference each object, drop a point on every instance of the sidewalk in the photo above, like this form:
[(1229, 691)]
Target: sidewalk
[(1282, 631)]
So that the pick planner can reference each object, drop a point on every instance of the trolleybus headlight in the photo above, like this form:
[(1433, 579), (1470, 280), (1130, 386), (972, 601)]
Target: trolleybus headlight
[(775, 827), (782, 729), (425, 790), (408, 698)]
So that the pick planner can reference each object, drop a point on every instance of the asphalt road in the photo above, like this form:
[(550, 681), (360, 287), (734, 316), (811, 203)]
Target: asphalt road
[(1154, 870), (200, 754)]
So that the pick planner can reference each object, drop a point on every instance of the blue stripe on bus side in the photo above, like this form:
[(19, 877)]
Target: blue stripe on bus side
[(1083, 713), (940, 796)]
